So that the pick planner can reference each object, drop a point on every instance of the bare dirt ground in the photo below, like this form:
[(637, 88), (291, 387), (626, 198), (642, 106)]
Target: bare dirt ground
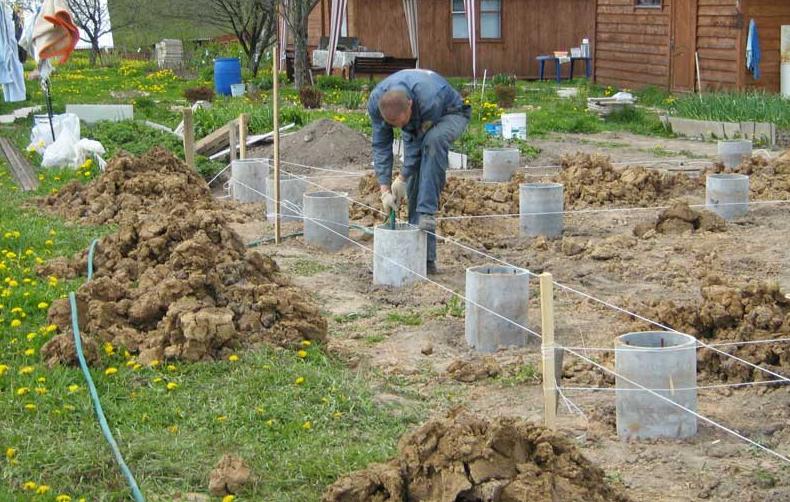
[(409, 339)]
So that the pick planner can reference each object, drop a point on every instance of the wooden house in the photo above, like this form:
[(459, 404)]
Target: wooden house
[(635, 43)]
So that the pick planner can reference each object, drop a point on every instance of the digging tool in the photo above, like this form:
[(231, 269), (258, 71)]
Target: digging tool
[(392, 220)]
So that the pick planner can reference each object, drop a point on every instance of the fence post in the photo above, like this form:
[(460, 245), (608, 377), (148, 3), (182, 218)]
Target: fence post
[(244, 125), (548, 350), (189, 137), (233, 137)]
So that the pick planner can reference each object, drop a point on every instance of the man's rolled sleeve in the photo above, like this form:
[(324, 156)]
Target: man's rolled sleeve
[(382, 146)]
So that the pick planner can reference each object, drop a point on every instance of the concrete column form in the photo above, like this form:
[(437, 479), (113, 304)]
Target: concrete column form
[(499, 164), (500, 289), (250, 172), (329, 231), (541, 206), (666, 363), (727, 195), (292, 190), (398, 254)]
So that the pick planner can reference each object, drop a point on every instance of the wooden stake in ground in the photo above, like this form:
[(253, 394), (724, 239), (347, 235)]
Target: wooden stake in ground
[(189, 137), (548, 351), (276, 123), (233, 140), (244, 126)]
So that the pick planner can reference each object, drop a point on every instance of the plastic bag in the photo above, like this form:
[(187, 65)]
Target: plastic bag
[(62, 152)]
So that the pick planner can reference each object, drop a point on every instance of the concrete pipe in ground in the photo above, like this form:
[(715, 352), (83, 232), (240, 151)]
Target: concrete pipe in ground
[(250, 172), (541, 206), (499, 164), (326, 220), (666, 363), (292, 189), (398, 254), (500, 289), (733, 152), (727, 195)]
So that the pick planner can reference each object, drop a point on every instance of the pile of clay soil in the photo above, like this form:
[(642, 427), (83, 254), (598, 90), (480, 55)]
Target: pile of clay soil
[(324, 143), (680, 218), (466, 458), (460, 197), (174, 282), (729, 312), (592, 180), (768, 179)]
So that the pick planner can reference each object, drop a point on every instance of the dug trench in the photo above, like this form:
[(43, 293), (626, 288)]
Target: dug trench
[(413, 340)]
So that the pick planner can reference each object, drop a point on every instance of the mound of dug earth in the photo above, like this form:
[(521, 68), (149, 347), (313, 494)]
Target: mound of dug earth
[(768, 179), (460, 197), (175, 282), (466, 458), (680, 218), (154, 182), (324, 143), (592, 180), (733, 313)]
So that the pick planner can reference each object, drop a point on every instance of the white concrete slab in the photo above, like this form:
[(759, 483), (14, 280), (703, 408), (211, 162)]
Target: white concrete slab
[(96, 113)]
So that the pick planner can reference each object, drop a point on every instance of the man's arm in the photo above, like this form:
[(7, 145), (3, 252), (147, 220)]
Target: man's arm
[(382, 145)]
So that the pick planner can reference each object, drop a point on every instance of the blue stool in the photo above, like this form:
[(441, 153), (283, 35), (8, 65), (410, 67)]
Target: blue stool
[(542, 61), (587, 66)]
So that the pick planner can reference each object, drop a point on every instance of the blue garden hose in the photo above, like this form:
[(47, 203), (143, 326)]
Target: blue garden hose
[(127, 473)]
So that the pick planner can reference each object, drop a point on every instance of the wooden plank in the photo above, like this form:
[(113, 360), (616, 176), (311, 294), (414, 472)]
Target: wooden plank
[(214, 142), (233, 141), (21, 170), (549, 363), (244, 128)]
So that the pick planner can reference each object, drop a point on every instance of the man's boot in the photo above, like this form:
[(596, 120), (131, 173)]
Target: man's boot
[(427, 223), (432, 268)]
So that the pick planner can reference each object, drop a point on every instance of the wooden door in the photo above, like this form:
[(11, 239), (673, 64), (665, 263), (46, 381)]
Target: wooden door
[(683, 45)]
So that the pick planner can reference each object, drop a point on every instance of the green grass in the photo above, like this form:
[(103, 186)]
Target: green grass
[(404, 318), (734, 107), (307, 268), (171, 439)]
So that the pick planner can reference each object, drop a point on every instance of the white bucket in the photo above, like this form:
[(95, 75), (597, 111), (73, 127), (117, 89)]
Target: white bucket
[(514, 125), (237, 90)]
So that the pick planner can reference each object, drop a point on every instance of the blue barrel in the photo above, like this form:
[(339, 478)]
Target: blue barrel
[(227, 71)]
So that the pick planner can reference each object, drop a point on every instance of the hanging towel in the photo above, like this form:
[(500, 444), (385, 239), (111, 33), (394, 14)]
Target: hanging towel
[(753, 54), (12, 75), (55, 33)]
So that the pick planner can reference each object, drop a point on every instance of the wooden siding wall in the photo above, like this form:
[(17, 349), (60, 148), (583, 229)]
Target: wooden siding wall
[(529, 28), (770, 15), (632, 48), (718, 40)]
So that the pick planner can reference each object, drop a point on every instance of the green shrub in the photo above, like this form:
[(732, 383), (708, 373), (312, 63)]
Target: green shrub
[(755, 106), (335, 83), (503, 79), (352, 100), (310, 97), (505, 95)]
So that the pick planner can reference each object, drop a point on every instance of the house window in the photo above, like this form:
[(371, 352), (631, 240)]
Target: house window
[(490, 19), (460, 25), (648, 4)]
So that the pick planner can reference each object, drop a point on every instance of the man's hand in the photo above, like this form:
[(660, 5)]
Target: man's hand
[(388, 202)]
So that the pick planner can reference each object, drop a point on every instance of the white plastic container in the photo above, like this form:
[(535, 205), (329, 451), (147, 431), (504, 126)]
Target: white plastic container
[(514, 125), (237, 90)]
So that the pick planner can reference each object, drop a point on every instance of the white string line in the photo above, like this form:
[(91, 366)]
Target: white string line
[(605, 369), (425, 278), (669, 349), (637, 162), (219, 174), (608, 210), (325, 169), (568, 288), (699, 387), (678, 405), (572, 407)]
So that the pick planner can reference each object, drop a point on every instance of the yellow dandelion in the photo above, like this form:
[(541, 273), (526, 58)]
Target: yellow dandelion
[(52, 233), (137, 367), (307, 425), (157, 380), (31, 336), (270, 422), (42, 490), (29, 486), (62, 498), (30, 407), (69, 407), (22, 391), (228, 498), (51, 328), (49, 243), (302, 354), (221, 418), (337, 414), (154, 363), (110, 371), (26, 370), (173, 429), (10, 453), (3, 369), (43, 305), (53, 281), (41, 391), (108, 348), (16, 323), (73, 388), (171, 367), (233, 358), (30, 352), (172, 386), (41, 379), (306, 343)]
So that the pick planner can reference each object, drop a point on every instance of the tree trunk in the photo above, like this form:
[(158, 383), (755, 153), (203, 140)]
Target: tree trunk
[(301, 65), (94, 52)]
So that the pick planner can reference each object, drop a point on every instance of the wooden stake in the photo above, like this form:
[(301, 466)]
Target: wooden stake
[(233, 140), (276, 123), (548, 350), (244, 126), (189, 137)]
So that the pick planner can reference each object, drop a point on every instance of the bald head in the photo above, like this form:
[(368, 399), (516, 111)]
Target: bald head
[(395, 107)]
